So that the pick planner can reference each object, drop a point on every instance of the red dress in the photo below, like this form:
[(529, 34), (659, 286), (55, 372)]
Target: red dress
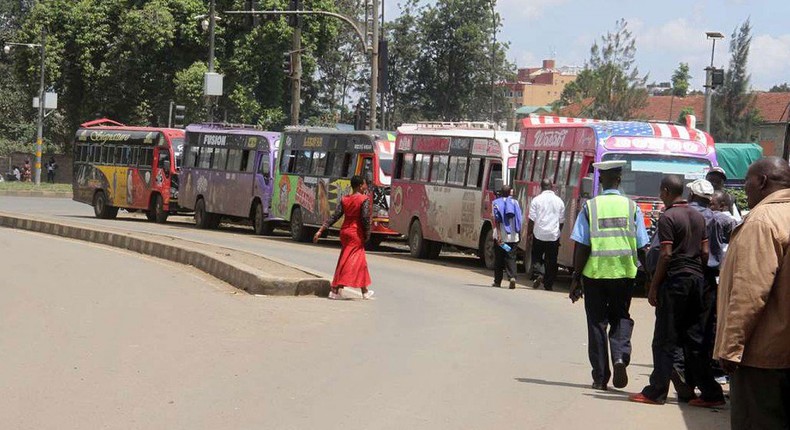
[(352, 266)]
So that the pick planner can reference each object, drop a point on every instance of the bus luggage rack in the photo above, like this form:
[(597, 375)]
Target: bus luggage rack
[(231, 125), (479, 125)]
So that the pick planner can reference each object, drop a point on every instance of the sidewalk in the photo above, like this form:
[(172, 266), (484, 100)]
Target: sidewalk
[(249, 272)]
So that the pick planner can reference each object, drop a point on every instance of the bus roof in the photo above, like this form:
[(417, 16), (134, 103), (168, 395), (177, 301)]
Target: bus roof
[(376, 134), (232, 129), (501, 136), (108, 124)]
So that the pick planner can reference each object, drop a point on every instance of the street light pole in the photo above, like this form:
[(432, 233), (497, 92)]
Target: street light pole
[(493, 57), (709, 77), (374, 65), (211, 26), (40, 133)]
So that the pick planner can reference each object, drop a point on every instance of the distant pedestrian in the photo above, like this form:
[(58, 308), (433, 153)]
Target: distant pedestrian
[(753, 333), (677, 292), (610, 238), (352, 266), (507, 227), (716, 176), (26, 170), (17, 174), (51, 167), (546, 218)]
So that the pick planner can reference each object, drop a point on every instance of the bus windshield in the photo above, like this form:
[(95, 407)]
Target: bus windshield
[(385, 169), (643, 173)]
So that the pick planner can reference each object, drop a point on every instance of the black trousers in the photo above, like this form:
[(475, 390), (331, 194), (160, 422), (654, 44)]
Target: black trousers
[(607, 303), (546, 253), (760, 399), (51, 176), (682, 321), (505, 261)]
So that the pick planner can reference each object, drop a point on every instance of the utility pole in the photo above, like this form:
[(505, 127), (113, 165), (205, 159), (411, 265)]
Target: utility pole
[(296, 78), (713, 35), (41, 95), (212, 22), (373, 22), (386, 76)]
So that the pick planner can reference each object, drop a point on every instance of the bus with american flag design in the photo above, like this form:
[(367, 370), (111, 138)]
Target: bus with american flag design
[(563, 149)]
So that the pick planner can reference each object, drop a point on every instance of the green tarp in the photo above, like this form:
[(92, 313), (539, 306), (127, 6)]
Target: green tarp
[(735, 158)]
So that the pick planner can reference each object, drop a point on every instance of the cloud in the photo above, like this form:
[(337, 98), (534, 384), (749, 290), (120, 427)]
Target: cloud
[(531, 9), (768, 60)]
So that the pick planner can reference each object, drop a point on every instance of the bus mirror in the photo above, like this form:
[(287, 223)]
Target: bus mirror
[(587, 186), (166, 166)]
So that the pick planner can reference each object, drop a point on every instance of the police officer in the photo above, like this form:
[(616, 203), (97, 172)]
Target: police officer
[(610, 238)]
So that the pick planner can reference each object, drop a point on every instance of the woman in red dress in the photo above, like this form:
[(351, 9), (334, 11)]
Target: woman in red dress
[(352, 266)]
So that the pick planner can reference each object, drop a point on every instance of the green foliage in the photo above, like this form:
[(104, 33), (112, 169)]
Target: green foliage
[(680, 80), (783, 88), (686, 111), (443, 61), (734, 117), (610, 79), (739, 194)]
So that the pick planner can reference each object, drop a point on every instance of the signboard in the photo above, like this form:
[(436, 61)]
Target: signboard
[(486, 147), (123, 137), (219, 140), (655, 144), (432, 144), (558, 139)]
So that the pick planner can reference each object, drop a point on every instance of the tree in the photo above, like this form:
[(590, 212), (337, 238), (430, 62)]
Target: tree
[(451, 62), (783, 88), (734, 117), (610, 80), (686, 111), (680, 80)]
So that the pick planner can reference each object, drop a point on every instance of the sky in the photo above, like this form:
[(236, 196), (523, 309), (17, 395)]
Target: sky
[(667, 33)]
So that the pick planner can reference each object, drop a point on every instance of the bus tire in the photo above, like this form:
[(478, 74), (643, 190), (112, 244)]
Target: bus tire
[(101, 207), (487, 251), (418, 246), (150, 215), (434, 249), (202, 220), (158, 210), (300, 232), (259, 223)]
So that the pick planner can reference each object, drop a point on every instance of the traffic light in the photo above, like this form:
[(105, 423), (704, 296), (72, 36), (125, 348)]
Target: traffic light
[(178, 116), (295, 20), (288, 67), (717, 78)]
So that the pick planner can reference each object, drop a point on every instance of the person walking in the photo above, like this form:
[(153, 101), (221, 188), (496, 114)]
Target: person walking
[(352, 266), (51, 167), (677, 292), (610, 238), (753, 333), (507, 227), (717, 176), (546, 217)]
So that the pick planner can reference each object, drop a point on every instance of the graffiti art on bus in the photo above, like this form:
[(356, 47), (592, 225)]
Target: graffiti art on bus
[(318, 197), (124, 187)]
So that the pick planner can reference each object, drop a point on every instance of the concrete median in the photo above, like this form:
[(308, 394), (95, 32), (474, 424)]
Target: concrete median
[(249, 272)]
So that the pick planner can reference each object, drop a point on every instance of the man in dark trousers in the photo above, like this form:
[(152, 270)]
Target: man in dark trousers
[(753, 334), (507, 229), (677, 291), (610, 238), (546, 217)]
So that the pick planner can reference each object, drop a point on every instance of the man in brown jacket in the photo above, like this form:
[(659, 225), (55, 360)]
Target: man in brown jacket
[(753, 330)]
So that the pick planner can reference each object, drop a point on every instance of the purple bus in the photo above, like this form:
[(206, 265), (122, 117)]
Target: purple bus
[(227, 172)]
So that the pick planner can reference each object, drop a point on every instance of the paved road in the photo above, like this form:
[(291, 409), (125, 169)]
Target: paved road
[(138, 343)]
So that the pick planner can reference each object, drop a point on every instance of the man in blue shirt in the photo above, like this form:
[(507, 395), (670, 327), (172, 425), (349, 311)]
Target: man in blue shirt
[(605, 262)]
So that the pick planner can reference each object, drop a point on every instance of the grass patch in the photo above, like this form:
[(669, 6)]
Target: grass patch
[(30, 186)]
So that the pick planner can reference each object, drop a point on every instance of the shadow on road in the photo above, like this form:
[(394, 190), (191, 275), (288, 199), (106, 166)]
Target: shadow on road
[(553, 383)]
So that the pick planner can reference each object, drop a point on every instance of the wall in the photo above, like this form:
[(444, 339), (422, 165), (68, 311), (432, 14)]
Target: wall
[(63, 174)]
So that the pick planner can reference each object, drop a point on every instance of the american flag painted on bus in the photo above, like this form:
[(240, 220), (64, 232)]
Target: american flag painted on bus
[(625, 128)]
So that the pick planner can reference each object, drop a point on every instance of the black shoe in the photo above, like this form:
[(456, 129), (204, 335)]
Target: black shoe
[(620, 379), (599, 386), (512, 284)]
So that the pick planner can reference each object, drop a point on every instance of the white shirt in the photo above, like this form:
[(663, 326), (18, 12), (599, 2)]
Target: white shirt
[(547, 212)]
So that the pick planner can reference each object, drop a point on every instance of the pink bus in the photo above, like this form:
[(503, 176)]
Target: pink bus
[(444, 180)]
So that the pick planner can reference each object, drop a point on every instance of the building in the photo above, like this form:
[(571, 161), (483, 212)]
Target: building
[(538, 87)]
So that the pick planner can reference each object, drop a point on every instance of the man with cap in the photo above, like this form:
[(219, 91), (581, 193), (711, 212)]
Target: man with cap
[(610, 238), (677, 292), (716, 176)]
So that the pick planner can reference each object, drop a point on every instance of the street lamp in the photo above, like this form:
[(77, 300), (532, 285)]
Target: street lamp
[(40, 133), (711, 35)]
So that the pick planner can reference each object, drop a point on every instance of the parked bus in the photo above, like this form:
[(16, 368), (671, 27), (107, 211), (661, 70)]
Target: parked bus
[(314, 171), (445, 179), (116, 166), (563, 149), (228, 172)]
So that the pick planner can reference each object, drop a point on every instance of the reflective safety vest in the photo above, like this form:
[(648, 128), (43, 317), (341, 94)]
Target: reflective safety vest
[(612, 237)]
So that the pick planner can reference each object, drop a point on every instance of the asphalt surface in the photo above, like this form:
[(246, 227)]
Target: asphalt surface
[(98, 338)]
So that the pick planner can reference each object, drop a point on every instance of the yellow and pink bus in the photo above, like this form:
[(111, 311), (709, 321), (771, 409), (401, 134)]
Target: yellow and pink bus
[(445, 178)]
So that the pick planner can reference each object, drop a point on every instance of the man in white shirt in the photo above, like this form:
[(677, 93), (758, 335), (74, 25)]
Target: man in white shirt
[(546, 217)]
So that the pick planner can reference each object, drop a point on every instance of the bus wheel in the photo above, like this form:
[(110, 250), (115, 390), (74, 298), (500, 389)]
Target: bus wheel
[(434, 249), (150, 215), (486, 251), (259, 223), (202, 220), (299, 232), (101, 208), (158, 210), (418, 246)]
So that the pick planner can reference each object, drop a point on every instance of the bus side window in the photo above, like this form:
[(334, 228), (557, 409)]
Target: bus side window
[(474, 178), (205, 158), (439, 169), (418, 160), (495, 177), (407, 170), (540, 159), (265, 168), (118, 159), (526, 159), (367, 168), (329, 168), (349, 165), (565, 164), (551, 165), (319, 164), (135, 156), (220, 158), (234, 160), (576, 166)]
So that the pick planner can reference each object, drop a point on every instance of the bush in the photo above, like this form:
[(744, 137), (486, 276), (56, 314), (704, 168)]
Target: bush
[(740, 198)]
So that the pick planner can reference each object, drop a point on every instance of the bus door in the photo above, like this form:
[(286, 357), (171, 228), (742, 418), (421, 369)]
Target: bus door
[(365, 168), (265, 173), (493, 183), (163, 167)]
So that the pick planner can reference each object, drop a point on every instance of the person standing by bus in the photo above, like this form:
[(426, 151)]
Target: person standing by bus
[(716, 176), (546, 215), (610, 237), (677, 292), (352, 266), (507, 225)]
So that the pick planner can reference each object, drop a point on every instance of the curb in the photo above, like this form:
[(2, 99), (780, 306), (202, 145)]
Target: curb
[(235, 273), (53, 194)]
